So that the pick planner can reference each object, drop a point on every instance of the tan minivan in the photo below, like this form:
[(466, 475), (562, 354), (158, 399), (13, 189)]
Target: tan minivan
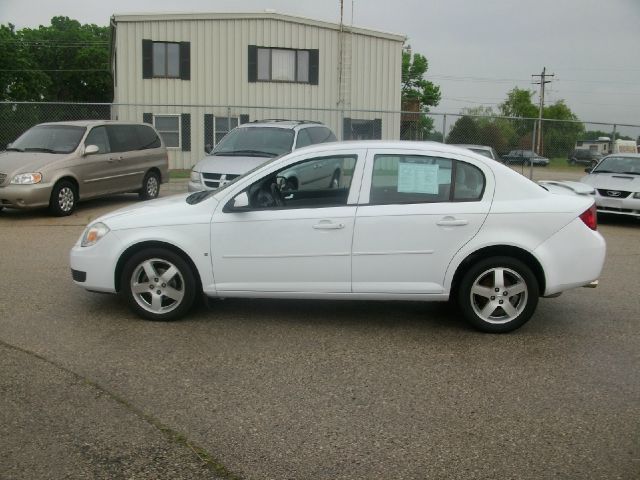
[(56, 165)]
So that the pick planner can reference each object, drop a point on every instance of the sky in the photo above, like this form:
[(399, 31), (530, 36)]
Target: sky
[(477, 50)]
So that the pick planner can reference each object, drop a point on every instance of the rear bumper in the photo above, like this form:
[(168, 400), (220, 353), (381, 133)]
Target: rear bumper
[(573, 257), (25, 196)]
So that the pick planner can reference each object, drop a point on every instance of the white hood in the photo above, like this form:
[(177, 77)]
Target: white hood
[(173, 210), (613, 181)]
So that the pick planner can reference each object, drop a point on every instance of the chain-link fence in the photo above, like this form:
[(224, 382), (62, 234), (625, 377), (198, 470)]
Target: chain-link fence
[(190, 131)]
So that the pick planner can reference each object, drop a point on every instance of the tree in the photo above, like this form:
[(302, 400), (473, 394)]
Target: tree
[(418, 94), (465, 130), (65, 61)]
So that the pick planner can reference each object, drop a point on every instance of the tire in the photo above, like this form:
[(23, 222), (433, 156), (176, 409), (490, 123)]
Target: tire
[(572, 161), (158, 285), (507, 163), (335, 180), (480, 302), (150, 186), (64, 198)]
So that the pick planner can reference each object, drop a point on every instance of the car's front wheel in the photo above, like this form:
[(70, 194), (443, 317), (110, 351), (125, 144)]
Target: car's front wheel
[(498, 294), (63, 199), (158, 284)]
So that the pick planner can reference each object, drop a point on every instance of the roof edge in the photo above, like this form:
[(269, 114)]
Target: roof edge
[(140, 17)]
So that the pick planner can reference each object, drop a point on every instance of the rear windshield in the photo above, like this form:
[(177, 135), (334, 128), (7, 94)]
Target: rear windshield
[(256, 142), (481, 151), (49, 139)]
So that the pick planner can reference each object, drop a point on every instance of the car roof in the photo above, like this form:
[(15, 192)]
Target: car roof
[(392, 144), (282, 123), (91, 123), (626, 155)]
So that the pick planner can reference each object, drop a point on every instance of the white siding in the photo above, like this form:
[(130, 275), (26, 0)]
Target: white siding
[(219, 73)]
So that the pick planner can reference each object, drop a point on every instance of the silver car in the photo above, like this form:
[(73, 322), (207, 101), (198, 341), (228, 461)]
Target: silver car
[(616, 180), (56, 165), (251, 144)]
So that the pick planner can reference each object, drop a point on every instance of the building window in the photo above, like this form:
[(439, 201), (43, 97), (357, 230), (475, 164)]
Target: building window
[(166, 59), (223, 125), (283, 65), (168, 126)]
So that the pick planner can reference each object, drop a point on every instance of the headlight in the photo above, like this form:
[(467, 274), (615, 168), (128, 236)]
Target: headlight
[(27, 178), (93, 234), (636, 195), (195, 176)]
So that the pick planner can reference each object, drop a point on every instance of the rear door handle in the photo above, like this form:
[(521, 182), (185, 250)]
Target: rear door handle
[(452, 222), (328, 226)]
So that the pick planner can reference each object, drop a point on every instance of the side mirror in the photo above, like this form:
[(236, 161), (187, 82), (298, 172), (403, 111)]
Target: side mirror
[(588, 170), (208, 148), (9, 145), (91, 149)]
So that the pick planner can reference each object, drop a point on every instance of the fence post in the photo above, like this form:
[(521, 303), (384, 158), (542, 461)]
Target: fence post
[(533, 149), (444, 128), (613, 138)]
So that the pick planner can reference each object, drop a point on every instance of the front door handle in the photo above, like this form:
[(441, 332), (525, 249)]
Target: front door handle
[(328, 226), (452, 222)]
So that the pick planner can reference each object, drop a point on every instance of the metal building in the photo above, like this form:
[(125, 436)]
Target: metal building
[(197, 75)]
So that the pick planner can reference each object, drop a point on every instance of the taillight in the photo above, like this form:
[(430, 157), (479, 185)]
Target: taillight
[(589, 217)]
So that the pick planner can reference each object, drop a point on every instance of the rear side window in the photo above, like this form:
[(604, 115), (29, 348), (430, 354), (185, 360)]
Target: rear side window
[(98, 137), (321, 135), (147, 137), (401, 179), (304, 138), (123, 138)]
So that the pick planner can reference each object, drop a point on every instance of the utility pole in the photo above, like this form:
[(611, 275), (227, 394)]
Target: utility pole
[(543, 80)]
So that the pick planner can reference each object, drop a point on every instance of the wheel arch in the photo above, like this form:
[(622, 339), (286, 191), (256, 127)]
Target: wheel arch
[(69, 178), (499, 251), (138, 247), (157, 171)]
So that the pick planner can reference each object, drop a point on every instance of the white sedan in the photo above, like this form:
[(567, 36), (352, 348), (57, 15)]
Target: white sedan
[(407, 221)]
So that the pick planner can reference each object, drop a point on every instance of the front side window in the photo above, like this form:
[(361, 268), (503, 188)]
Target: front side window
[(98, 137), (399, 179), (49, 139), (168, 126), (313, 183), (166, 59)]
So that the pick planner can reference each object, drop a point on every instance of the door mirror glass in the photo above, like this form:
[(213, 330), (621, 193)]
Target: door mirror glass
[(91, 149)]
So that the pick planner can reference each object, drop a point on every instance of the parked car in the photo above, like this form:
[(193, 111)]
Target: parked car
[(584, 156), (56, 165), (616, 180), (412, 221), (488, 152), (251, 144), (526, 157)]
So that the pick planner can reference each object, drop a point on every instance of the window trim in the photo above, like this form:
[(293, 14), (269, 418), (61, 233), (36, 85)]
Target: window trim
[(296, 50), (166, 60), (179, 146)]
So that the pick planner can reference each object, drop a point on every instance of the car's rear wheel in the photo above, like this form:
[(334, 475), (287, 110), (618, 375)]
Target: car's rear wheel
[(498, 294), (63, 199), (150, 186), (158, 284), (572, 161)]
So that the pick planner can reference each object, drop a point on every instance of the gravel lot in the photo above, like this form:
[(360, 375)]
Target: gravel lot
[(309, 390)]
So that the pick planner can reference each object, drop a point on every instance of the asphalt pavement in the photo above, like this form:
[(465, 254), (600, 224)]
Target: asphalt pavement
[(270, 389)]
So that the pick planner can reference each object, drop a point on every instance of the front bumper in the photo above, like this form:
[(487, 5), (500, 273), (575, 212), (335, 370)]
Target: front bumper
[(94, 267), (25, 196), (618, 206)]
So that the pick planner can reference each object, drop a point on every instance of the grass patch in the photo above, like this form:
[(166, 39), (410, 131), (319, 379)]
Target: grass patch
[(177, 174)]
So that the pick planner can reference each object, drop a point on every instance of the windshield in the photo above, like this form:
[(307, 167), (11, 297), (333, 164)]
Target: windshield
[(49, 138), (628, 165), (256, 142), (481, 151), (198, 197)]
